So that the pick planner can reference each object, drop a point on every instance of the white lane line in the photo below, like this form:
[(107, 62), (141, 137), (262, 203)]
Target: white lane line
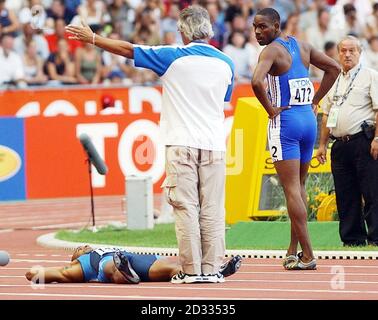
[(39, 261), (133, 297), (200, 287), (302, 281), (6, 230)]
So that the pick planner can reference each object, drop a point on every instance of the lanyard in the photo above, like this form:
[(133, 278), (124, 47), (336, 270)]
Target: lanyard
[(336, 97)]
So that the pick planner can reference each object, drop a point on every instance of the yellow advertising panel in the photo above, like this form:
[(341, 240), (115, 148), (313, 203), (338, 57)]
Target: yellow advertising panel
[(253, 191)]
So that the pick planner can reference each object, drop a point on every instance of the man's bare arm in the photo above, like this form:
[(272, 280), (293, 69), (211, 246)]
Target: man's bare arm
[(331, 71), (84, 33), (264, 65), (68, 274)]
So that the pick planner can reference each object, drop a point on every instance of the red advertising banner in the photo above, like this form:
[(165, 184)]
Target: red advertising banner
[(74, 101)]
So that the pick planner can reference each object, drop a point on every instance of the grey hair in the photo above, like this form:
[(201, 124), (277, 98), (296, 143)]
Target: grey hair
[(352, 38), (194, 23)]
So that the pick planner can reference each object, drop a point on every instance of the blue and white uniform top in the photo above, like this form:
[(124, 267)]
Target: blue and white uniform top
[(293, 88), (197, 79), (292, 134)]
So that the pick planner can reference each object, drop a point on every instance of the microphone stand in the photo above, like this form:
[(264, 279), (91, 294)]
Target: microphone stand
[(94, 229)]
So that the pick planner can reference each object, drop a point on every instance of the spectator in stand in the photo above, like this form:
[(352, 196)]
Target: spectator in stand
[(285, 8), (254, 51), (321, 32), (33, 65), (59, 66), (60, 33), (169, 38), (12, 71), (38, 21), (115, 66), (291, 27), (94, 12), (371, 54), (169, 23), (142, 75), (58, 10), (72, 5), (217, 22), (28, 34), (244, 8), (147, 28), (330, 49), (88, 65), (239, 23), (372, 23), (155, 6), (309, 18), (122, 17), (14, 5), (236, 49), (352, 25), (8, 20)]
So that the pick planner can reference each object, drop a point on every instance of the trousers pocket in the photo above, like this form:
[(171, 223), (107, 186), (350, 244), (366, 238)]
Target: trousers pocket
[(169, 185)]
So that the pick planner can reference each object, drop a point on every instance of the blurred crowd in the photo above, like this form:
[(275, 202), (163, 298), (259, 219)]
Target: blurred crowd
[(35, 49)]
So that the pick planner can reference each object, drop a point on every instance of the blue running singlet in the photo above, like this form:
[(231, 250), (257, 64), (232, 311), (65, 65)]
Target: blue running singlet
[(292, 134), (93, 264)]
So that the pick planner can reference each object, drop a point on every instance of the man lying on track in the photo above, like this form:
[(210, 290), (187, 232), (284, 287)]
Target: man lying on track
[(110, 265)]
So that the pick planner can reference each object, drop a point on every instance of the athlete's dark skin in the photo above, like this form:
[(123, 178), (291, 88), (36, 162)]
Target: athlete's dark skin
[(161, 270), (275, 60)]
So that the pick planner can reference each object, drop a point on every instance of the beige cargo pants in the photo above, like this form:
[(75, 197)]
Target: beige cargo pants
[(195, 186)]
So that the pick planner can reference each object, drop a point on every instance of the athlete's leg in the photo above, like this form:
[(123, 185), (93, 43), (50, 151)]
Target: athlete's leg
[(289, 174), (163, 269), (293, 247)]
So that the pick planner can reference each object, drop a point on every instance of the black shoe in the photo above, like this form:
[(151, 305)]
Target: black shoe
[(231, 266), (355, 244), (123, 265)]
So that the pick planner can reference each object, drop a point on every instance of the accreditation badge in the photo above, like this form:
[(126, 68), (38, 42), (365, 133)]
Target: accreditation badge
[(332, 116)]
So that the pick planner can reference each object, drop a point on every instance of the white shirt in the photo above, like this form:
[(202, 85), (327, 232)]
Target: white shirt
[(197, 79), (361, 103), (11, 67)]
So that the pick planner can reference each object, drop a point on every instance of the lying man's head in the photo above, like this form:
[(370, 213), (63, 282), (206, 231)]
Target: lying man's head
[(79, 251)]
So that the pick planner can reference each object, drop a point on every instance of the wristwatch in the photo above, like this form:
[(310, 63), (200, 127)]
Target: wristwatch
[(375, 138)]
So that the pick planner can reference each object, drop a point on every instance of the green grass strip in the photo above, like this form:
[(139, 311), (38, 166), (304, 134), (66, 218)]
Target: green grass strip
[(259, 235)]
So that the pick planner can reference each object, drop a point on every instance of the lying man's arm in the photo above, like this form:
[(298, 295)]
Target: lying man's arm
[(68, 274)]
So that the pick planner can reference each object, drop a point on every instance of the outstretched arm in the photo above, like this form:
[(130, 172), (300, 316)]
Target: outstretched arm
[(264, 65), (331, 71), (68, 274), (84, 33)]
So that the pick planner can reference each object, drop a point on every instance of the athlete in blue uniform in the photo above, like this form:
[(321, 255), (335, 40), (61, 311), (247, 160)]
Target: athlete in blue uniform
[(110, 265), (291, 104)]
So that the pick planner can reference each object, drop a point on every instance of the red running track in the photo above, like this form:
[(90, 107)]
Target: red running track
[(257, 278)]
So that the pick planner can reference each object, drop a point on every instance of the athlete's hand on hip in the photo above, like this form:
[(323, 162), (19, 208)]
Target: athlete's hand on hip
[(277, 110), (321, 154), (82, 33)]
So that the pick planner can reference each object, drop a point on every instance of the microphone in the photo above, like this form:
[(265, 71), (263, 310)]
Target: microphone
[(4, 258), (93, 155)]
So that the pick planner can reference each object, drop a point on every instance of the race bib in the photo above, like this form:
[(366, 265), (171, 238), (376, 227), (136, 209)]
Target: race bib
[(332, 117), (301, 91), (102, 251)]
